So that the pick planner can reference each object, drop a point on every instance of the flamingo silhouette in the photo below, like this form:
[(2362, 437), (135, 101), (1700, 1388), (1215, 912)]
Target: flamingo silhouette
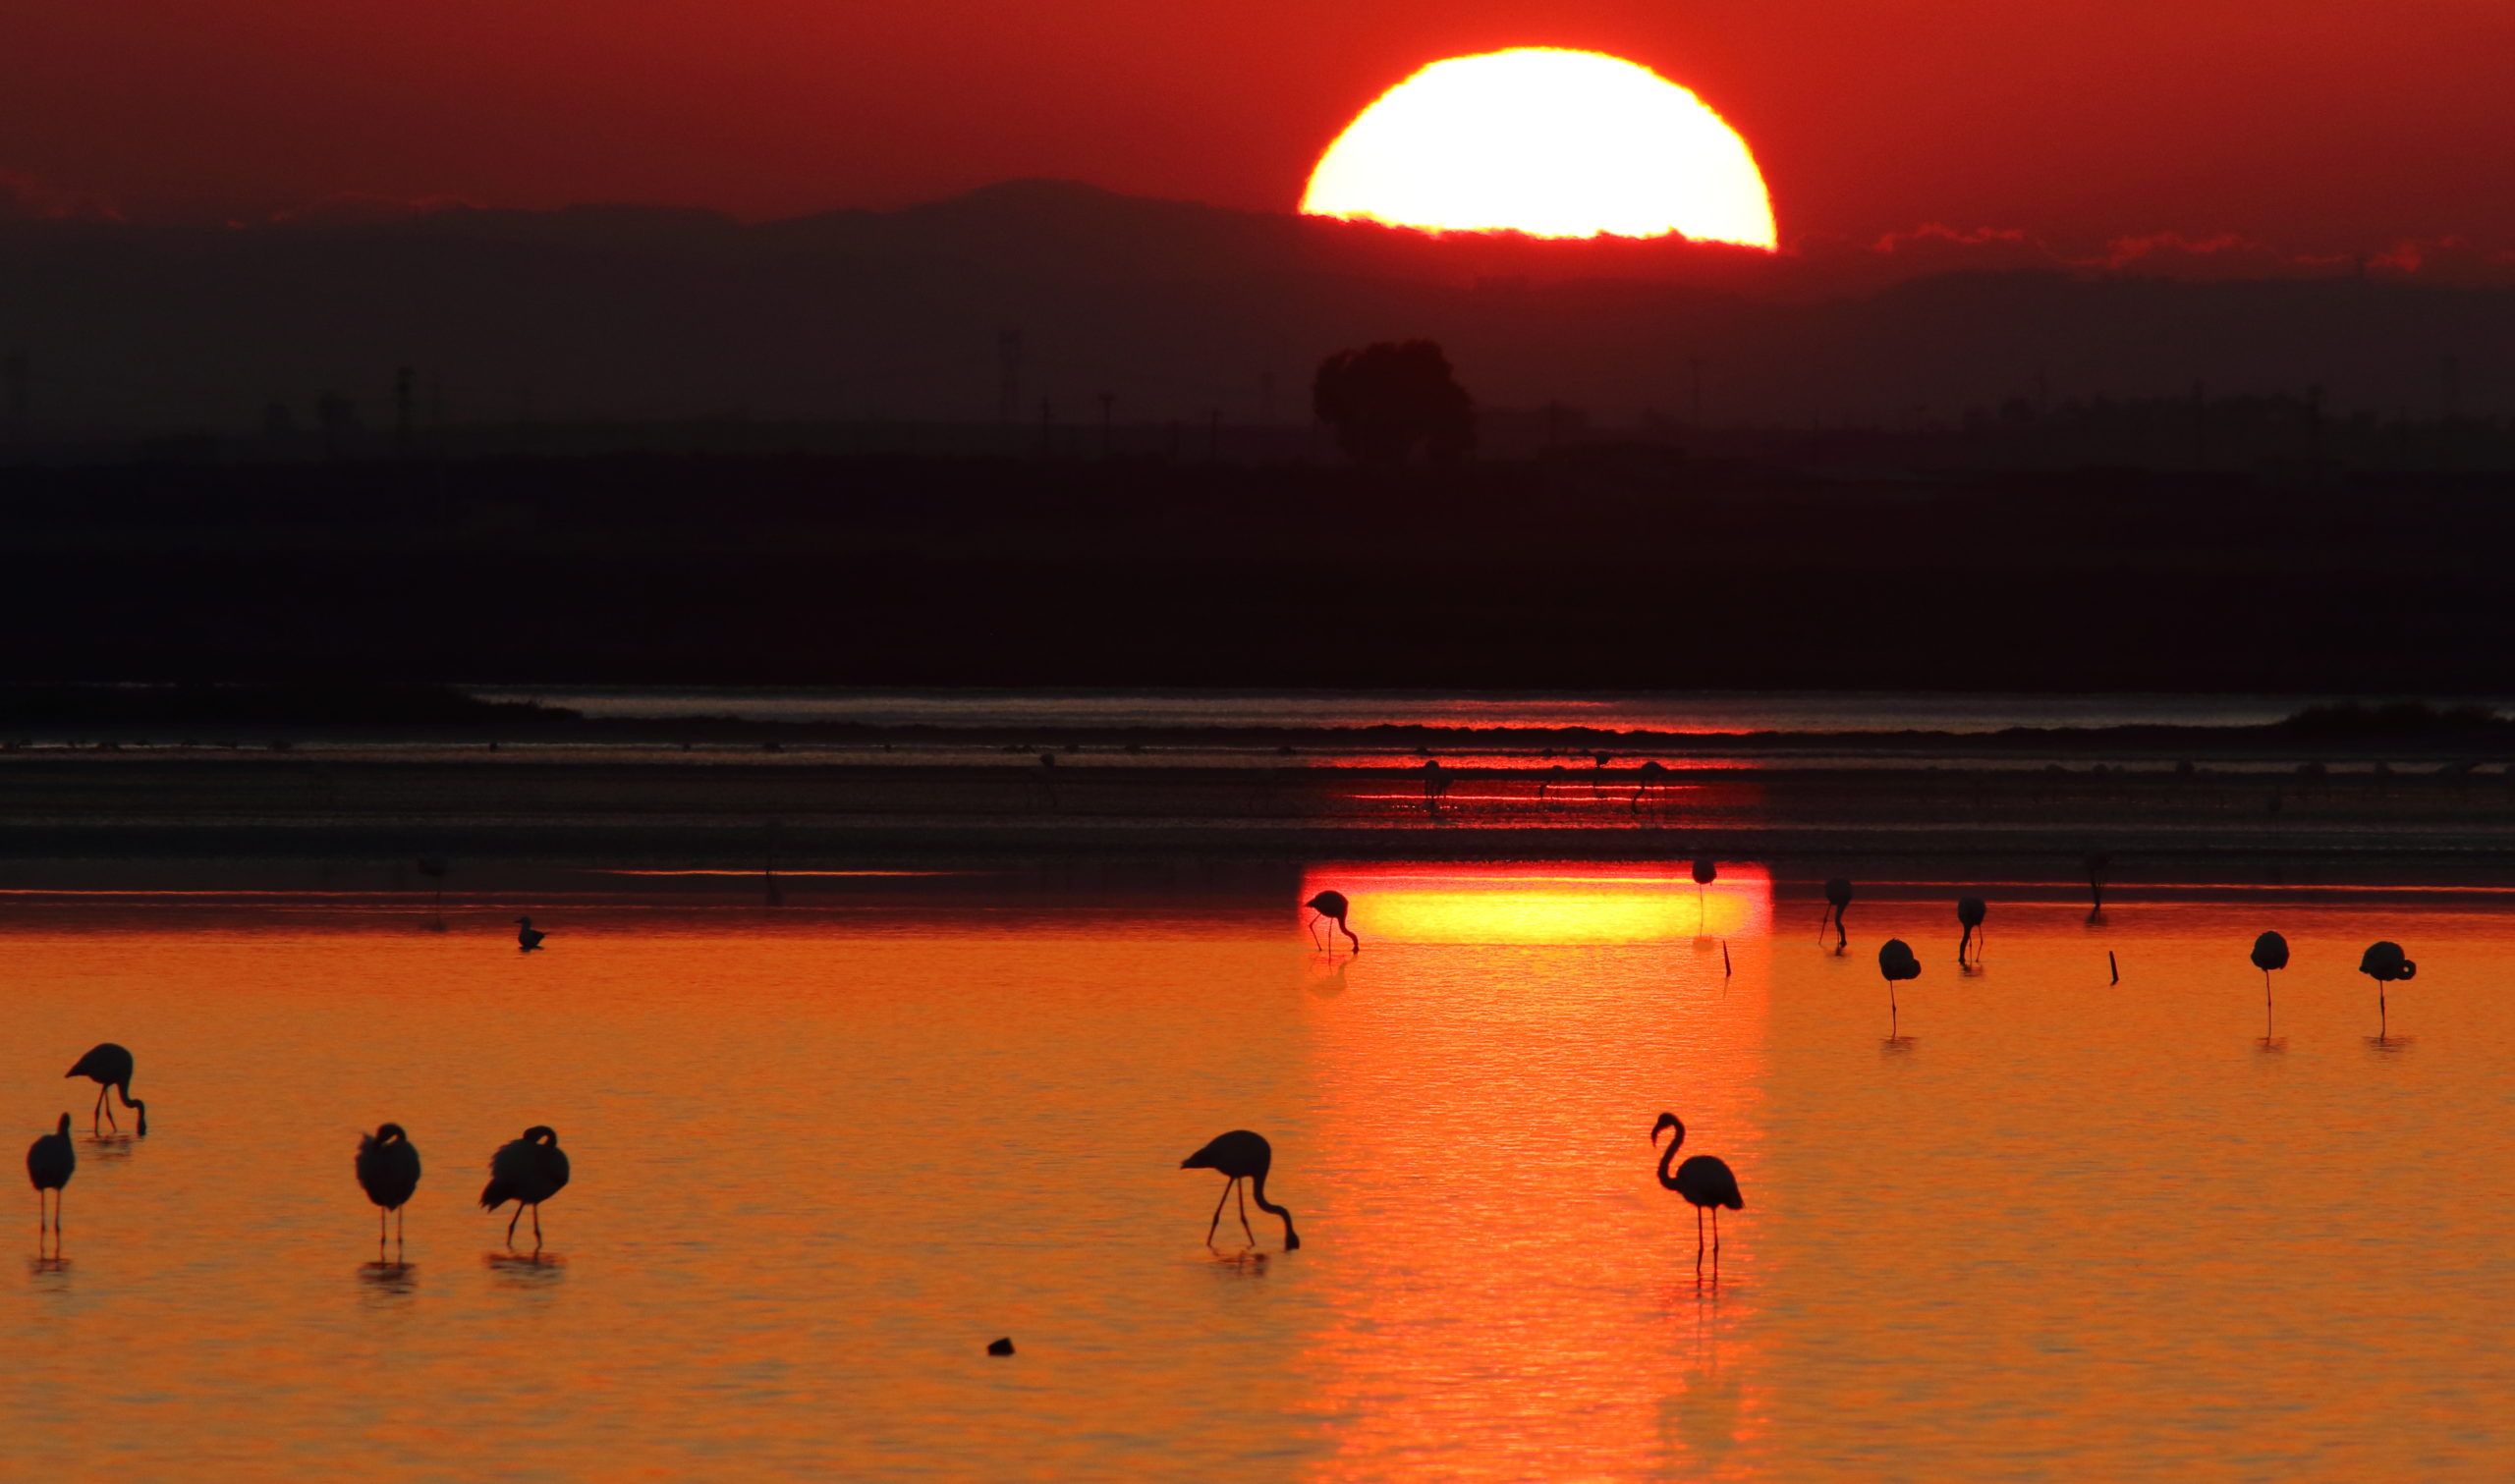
[(1896, 962), (527, 1171), (51, 1161), (1706, 871), (1838, 897), (2269, 951), (527, 937), (2099, 866), (388, 1171), (1970, 913), (1242, 1155), (109, 1067), (1332, 906), (1704, 1181), (1655, 774), (2384, 963)]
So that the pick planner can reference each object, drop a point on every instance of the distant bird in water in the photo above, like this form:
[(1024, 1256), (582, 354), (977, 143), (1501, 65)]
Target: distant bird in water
[(1436, 783), (1838, 897), (2099, 866), (108, 1066), (2384, 963), (1242, 1155), (434, 870), (1332, 906), (1896, 962), (527, 937), (527, 1171), (1970, 913), (1655, 774), (1706, 871), (1704, 1181), (388, 1171), (51, 1161), (2269, 951)]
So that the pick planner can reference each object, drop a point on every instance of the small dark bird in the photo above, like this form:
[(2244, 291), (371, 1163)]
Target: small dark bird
[(51, 1161), (388, 1171), (1896, 962), (1242, 1155), (1332, 906), (527, 1171), (1003, 1346), (109, 1067), (2269, 951), (527, 937), (1838, 897), (1969, 914), (1704, 1181), (2384, 963)]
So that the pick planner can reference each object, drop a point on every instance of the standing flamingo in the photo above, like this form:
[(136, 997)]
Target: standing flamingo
[(1704, 1181), (1242, 1155), (51, 1161), (1896, 962), (1332, 906), (1838, 897), (527, 1171), (2384, 963), (1970, 913), (527, 937), (388, 1171), (109, 1067), (1706, 871), (2269, 951), (1655, 774)]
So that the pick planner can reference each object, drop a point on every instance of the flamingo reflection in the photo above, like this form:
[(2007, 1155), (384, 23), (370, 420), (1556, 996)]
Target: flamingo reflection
[(1704, 1181), (1242, 1155), (109, 1067), (1332, 906)]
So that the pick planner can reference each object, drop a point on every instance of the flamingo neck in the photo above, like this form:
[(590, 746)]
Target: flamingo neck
[(1668, 1181), (1258, 1189)]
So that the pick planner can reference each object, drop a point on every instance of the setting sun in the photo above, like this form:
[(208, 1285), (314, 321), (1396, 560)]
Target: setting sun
[(1549, 142)]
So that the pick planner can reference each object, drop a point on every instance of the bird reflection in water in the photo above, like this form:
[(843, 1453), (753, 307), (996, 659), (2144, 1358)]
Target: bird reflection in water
[(108, 1148), (50, 1265), (1327, 981), (389, 1278), (525, 1270)]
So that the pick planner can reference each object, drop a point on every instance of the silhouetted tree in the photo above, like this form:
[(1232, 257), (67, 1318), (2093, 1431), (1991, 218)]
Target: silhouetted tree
[(1384, 399)]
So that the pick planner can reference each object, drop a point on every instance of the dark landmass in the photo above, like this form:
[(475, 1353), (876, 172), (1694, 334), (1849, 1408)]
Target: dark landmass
[(1174, 310), (1605, 572)]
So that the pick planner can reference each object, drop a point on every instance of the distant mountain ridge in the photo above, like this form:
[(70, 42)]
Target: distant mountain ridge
[(1176, 310)]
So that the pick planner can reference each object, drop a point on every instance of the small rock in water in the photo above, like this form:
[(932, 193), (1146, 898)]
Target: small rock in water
[(1002, 1346)]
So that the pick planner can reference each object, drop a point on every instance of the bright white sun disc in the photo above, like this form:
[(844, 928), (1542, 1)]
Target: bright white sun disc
[(1547, 142)]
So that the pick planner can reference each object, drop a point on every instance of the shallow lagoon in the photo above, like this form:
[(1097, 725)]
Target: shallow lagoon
[(824, 1153)]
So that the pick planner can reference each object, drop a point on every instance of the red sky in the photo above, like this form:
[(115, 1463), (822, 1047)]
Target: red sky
[(2318, 125)]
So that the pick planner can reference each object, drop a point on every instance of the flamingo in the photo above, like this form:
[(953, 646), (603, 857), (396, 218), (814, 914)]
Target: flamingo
[(527, 937), (51, 1161), (1706, 871), (2099, 866), (1242, 1155), (1896, 962), (1332, 906), (2384, 963), (388, 1171), (1970, 913), (1838, 897), (109, 1067), (527, 1171), (1704, 1181), (2269, 951), (1655, 774)]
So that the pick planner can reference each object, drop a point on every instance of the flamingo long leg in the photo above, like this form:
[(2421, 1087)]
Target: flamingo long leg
[(536, 1226), (1716, 1232), (512, 1220), (1697, 1236), (1215, 1225), (1243, 1214)]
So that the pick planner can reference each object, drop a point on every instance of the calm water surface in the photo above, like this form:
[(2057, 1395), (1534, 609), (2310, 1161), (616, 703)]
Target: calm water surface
[(2062, 1230)]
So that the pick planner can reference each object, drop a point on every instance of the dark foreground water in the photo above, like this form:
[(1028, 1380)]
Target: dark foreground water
[(2053, 1228)]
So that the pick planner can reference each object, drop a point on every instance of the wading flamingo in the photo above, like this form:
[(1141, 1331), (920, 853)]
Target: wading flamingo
[(1332, 906), (109, 1065), (1969, 914), (388, 1171), (1242, 1155), (1838, 897), (51, 1161), (2269, 951), (2384, 963), (1704, 1181), (527, 1171)]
